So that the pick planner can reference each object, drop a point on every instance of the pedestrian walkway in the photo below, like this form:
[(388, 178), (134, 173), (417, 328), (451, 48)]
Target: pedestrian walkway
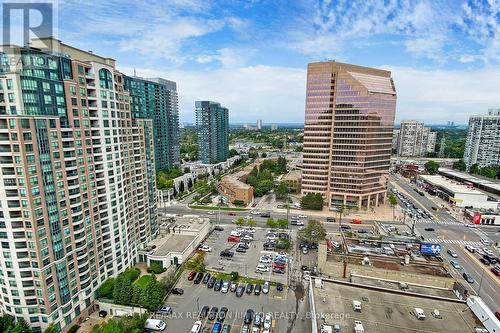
[(453, 241), (441, 222)]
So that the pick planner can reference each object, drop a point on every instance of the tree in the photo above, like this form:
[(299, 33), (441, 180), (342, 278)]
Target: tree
[(21, 326), (475, 168), (106, 289), (459, 165), (283, 244), (282, 223), (152, 295), (52, 328), (240, 221), (393, 202), (431, 167), (263, 155), (251, 223), (271, 223), (233, 152), (282, 190), (197, 263), (314, 232), (263, 187), (312, 201)]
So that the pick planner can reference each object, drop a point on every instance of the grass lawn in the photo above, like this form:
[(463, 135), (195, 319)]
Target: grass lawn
[(143, 281)]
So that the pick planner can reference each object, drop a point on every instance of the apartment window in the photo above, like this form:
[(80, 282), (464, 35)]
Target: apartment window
[(9, 84), (11, 98)]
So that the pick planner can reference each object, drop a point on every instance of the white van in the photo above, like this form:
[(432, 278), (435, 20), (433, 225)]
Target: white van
[(358, 327), (356, 305), (419, 313), (155, 325)]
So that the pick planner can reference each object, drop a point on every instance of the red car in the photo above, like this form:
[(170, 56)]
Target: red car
[(495, 271), (191, 275), (356, 221), (233, 239), (279, 265), (497, 314)]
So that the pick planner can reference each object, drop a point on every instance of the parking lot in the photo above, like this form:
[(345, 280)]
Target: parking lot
[(283, 306), (244, 263), (386, 312)]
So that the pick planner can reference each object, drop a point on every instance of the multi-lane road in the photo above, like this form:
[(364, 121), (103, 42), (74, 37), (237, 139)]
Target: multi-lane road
[(452, 234)]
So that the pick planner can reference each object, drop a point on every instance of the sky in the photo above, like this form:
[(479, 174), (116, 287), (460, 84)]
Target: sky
[(251, 56)]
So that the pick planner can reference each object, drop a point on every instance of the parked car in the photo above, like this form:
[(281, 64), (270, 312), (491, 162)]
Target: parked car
[(261, 268), (248, 317), (216, 328), (204, 312), (218, 285), (495, 271), (244, 245), (191, 275), (218, 228), (226, 328), (198, 278), (196, 327), (222, 313), (257, 321), (233, 287), (429, 229), (485, 261), (165, 309), (257, 289), (278, 270), (233, 239), (265, 288), (469, 248), (205, 248), (206, 278), (225, 287), (249, 288), (211, 282), (240, 290), (241, 250), (213, 313), (279, 287), (265, 260), (177, 291), (226, 253)]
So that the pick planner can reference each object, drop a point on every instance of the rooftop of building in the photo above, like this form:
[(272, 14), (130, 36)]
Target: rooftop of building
[(163, 246), (388, 312), (487, 184), (234, 181), (453, 186), (293, 175)]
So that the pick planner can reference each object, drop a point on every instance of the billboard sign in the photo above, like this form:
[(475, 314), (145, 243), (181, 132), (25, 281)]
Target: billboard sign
[(430, 248)]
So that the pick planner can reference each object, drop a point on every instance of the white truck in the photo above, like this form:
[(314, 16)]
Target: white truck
[(358, 327)]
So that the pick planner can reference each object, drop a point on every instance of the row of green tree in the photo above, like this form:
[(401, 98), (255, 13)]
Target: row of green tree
[(122, 290), (312, 201), (492, 171), (134, 324), (165, 178)]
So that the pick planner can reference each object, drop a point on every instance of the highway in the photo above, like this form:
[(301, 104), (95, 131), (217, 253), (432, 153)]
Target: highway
[(452, 234)]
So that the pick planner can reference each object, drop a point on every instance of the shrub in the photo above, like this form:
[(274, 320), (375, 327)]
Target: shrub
[(156, 268), (238, 203), (132, 273), (106, 289), (74, 328), (235, 276)]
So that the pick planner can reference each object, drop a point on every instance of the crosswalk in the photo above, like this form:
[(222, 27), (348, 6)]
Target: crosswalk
[(453, 241), (440, 222)]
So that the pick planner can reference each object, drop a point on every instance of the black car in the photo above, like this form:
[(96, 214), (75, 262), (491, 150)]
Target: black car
[(304, 268), (279, 287), (217, 285), (222, 313), (198, 278), (268, 246), (206, 278), (468, 277), (248, 316), (244, 245), (249, 288), (345, 227), (257, 289), (241, 250), (211, 282), (213, 313), (240, 290), (103, 313), (219, 228), (204, 312), (484, 261), (429, 229), (284, 235), (227, 253), (177, 291)]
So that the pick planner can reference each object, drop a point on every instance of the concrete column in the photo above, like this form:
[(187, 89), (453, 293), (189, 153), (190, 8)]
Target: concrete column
[(345, 199), (360, 201), (376, 199), (368, 201)]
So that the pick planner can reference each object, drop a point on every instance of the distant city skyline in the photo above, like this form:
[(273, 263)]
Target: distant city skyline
[(444, 55)]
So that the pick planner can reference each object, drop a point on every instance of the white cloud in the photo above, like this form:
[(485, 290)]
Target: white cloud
[(254, 92), (227, 57), (436, 96)]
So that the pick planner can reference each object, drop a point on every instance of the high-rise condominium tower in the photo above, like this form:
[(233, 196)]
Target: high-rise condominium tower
[(156, 99), (483, 140), (77, 193), (212, 124), (415, 139), (349, 118)]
